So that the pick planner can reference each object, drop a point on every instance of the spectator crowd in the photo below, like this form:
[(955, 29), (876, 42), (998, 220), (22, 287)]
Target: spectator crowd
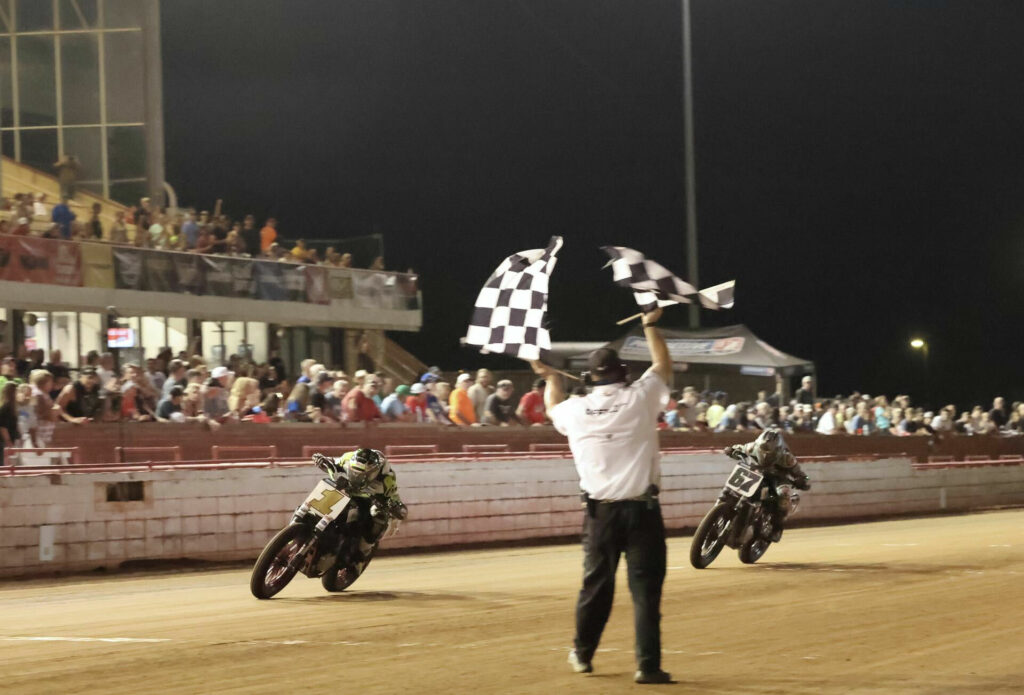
[(36, 394), (857, 414), (147, 226)]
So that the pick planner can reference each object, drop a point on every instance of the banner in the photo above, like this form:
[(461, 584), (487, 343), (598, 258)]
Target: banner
[(66, 262), (369, 289), (218, 277), (242, 281), (339, 285), (128, 268), (295, 282), (269, 279), (6, 257), (158, 272), (635, 347), (48, 261), (98, 266), (188, 267), (316, 285)]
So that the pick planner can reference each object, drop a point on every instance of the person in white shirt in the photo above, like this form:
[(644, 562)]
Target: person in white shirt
[(480, 391), (614, 441), (38, 207), (827, 421)]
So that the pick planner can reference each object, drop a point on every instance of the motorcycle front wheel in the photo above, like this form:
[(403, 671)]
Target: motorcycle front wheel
[(272, 571), (709, 539)]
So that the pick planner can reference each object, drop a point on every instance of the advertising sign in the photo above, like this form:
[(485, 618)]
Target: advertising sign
[(635, 347)]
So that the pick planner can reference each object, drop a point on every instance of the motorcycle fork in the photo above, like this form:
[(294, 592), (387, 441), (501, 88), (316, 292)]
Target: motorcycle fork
[(739, 522), (303, 560)]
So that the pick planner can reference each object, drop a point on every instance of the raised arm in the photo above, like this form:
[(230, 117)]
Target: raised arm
[(661, 361), (554, 392)]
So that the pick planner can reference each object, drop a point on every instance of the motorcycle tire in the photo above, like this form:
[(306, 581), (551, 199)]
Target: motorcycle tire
[(753, 550), (714, 522), (335, 580), (271, 572)]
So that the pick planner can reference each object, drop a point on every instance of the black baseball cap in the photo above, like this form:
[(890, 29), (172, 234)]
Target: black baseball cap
[(604, 363)]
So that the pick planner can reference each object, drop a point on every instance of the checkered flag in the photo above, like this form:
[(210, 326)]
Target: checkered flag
[(655, 286), (511, 310)]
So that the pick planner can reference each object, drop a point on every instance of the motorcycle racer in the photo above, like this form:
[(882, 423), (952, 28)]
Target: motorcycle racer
[(372, 484), (770, 452)]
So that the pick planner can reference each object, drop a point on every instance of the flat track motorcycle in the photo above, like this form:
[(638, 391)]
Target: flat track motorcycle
[(745, 516), (322, 540)]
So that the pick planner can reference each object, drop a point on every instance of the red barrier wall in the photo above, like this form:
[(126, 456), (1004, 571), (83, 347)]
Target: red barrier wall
[(97, 441)]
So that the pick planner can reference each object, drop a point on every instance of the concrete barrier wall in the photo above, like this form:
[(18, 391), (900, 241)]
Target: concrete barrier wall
[(65, 523)]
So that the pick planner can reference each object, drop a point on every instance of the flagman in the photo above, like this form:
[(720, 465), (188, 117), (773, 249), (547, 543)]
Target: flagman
[(614, 443)]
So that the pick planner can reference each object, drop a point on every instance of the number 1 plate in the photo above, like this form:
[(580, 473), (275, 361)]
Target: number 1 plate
[(743, 481), (327, 500)]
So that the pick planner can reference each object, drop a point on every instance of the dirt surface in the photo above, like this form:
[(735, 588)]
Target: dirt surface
[(930, 605)]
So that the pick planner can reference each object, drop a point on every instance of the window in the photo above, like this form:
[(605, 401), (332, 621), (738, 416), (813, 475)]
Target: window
[(35, 15), (126, 491), (177, 330), (257, 339), (80, 78), (77, 14), (39, 148), (219, 345), (84, 143), (129, 192), (153, 335), (36, 81), (125, 77), (64, 334), (37, 332), (6, 96), (126, 152), (93, 332), (121, 14)]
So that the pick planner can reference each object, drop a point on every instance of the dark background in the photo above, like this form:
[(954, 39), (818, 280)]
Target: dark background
[(860, 166)]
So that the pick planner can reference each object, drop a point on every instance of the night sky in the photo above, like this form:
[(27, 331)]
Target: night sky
[(860, 165)]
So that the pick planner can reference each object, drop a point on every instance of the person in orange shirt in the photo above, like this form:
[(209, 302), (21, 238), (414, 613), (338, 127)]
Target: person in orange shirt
[(460, 405), (268, 235)]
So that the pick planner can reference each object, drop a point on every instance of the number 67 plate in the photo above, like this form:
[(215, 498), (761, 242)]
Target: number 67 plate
[(743, 480)]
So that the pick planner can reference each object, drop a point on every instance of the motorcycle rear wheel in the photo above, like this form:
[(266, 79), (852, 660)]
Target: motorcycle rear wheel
[(271, 572), (335, 580), (709, 539), (753, 550)]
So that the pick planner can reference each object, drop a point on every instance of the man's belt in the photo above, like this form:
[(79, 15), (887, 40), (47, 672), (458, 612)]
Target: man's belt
[(639, 498), (650, 498)]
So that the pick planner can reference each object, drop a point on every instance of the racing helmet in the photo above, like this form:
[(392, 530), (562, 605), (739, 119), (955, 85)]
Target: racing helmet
[(768, 443), (363, 467), (770, 438)]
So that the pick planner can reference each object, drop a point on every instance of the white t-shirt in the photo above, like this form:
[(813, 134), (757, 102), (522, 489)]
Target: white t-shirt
[(613, 437)]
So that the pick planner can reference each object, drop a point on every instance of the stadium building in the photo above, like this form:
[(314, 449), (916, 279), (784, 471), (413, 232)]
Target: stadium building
[(83, 78)]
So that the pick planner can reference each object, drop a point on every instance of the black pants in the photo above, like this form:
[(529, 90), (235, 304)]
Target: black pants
[(638, 531)]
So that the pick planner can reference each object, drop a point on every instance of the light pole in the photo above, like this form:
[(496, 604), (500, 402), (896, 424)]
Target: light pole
[(691, 183), (922, 345)]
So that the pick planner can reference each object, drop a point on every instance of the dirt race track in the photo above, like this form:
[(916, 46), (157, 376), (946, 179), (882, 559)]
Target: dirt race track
[(931, 605)]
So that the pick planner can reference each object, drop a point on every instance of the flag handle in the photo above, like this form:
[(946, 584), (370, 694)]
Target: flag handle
[(628, 319), (571, 376)]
